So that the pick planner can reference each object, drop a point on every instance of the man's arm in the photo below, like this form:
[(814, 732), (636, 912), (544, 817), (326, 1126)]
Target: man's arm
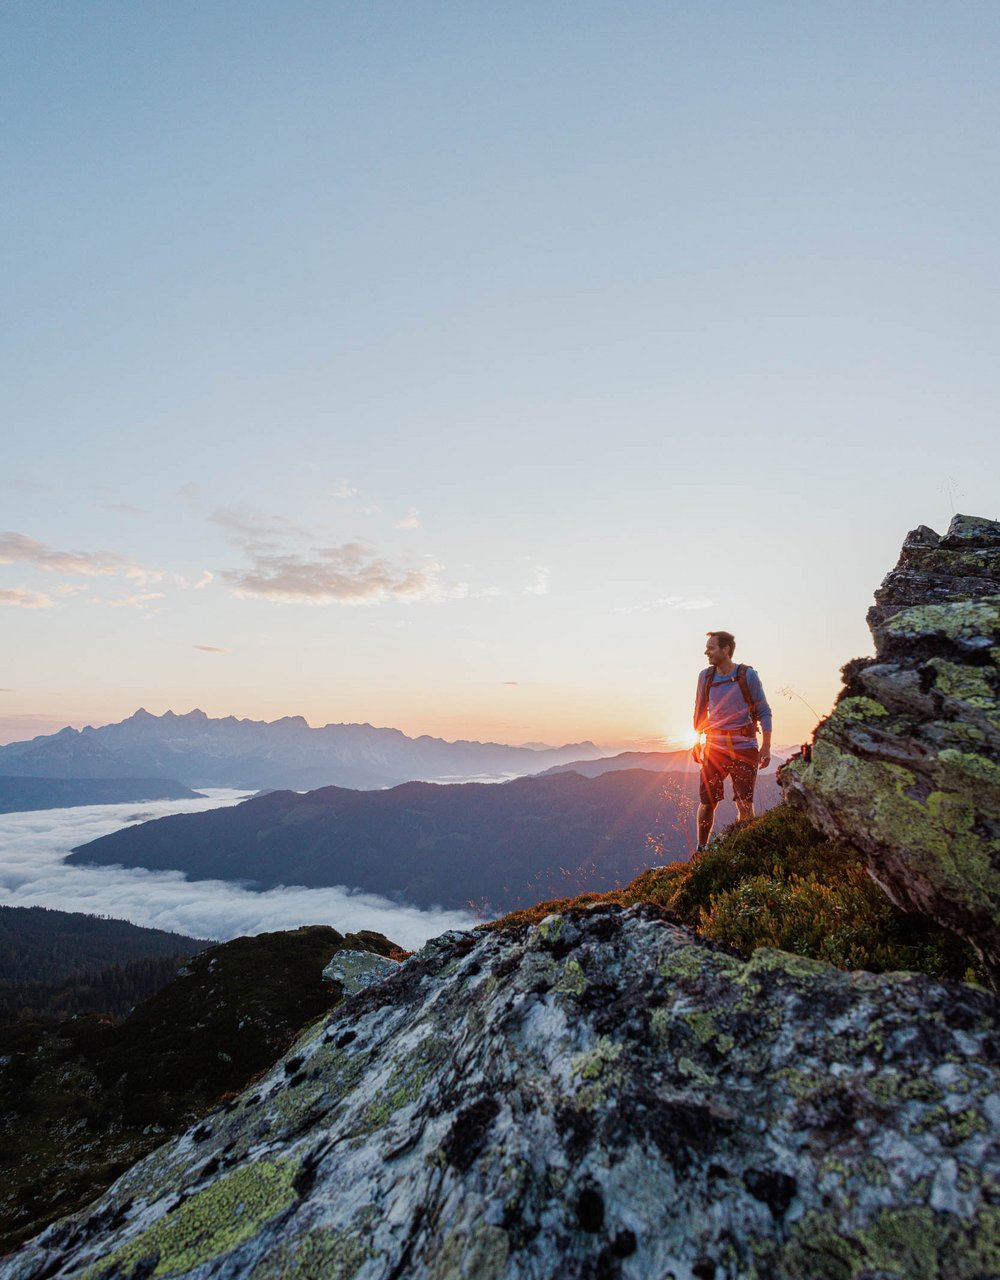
[(763, 713), (696, 751)]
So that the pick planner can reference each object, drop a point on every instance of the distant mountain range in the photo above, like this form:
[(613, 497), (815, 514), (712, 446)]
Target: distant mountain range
[(19, 795), (495, 847), (254, 754)]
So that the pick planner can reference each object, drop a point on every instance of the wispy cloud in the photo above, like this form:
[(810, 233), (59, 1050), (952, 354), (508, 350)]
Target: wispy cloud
[(668, 602), (209, 648), (138, 601), (18, 548), (287, 566), (255, 531), (206, 577), (344, 489), (411, 520), (19, 598), (125, 508), (349, 574)]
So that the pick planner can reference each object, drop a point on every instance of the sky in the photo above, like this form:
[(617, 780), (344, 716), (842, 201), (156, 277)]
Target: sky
[(33, 874), (456, 366)]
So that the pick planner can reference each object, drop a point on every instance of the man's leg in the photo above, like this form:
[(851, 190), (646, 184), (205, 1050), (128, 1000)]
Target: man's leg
[(744, 775), (706, 820), (744, 810), (709, 793)]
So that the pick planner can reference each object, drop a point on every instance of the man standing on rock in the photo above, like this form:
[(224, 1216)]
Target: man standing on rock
[(728, 706)]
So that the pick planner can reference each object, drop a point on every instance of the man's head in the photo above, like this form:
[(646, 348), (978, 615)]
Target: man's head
[(720, 647)]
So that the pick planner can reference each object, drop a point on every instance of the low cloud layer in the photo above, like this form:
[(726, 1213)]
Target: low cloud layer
[(32, 873)]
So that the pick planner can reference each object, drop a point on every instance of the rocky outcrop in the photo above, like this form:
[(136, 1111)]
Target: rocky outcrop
[(601, 1095), (907, 767)]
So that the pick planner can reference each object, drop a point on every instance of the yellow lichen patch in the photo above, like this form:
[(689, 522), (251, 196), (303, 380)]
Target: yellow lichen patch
[(695, 962), (573, 980), (967, 768), (210, 1222), (958, 620), (691, 1069), (938, 835), (702, 1025), (768, 958), (334, 1255), (405, 1085), (480, 1254), (550, 929), (591, 1065), (904, 1244), (968, 684), (859, 709)]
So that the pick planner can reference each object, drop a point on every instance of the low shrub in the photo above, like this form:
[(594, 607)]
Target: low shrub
[(777, 881)]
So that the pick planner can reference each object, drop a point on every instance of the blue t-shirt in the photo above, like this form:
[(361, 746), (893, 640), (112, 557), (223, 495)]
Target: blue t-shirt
[(727, 708)]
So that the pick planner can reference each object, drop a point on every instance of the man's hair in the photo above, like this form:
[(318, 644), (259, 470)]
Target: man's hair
[(725, 640)]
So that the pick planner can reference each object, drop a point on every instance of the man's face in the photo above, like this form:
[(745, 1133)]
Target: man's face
[(715, 653)]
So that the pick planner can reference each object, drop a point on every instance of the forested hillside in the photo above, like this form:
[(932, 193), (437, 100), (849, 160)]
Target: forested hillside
[(54, 963)]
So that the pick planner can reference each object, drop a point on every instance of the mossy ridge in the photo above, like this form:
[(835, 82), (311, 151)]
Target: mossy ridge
[(208, 1223)]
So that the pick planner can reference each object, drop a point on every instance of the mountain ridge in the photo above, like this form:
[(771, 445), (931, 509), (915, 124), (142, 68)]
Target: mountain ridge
[(200, 751), (433, 844)]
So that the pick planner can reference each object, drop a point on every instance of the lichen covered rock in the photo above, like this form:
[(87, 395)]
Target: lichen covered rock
[(907, 767), (355, 970), (600, 1095)]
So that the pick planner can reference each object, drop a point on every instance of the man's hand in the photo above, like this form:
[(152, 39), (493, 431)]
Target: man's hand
[(696, 752), (765, 758)]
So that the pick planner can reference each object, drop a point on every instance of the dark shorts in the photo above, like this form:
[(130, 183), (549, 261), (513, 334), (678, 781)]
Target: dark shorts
[(719, 763)]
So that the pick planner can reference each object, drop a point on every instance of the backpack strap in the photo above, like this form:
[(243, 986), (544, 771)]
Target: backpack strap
[(744, 683)]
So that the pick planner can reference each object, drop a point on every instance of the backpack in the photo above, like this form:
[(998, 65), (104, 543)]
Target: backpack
[(705, 684)]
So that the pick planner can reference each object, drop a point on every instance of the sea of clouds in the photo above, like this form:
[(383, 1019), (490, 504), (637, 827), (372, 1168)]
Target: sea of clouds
[(33, 873)]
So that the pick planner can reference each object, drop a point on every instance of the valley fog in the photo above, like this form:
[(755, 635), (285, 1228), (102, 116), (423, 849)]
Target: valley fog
[(33, 874)]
